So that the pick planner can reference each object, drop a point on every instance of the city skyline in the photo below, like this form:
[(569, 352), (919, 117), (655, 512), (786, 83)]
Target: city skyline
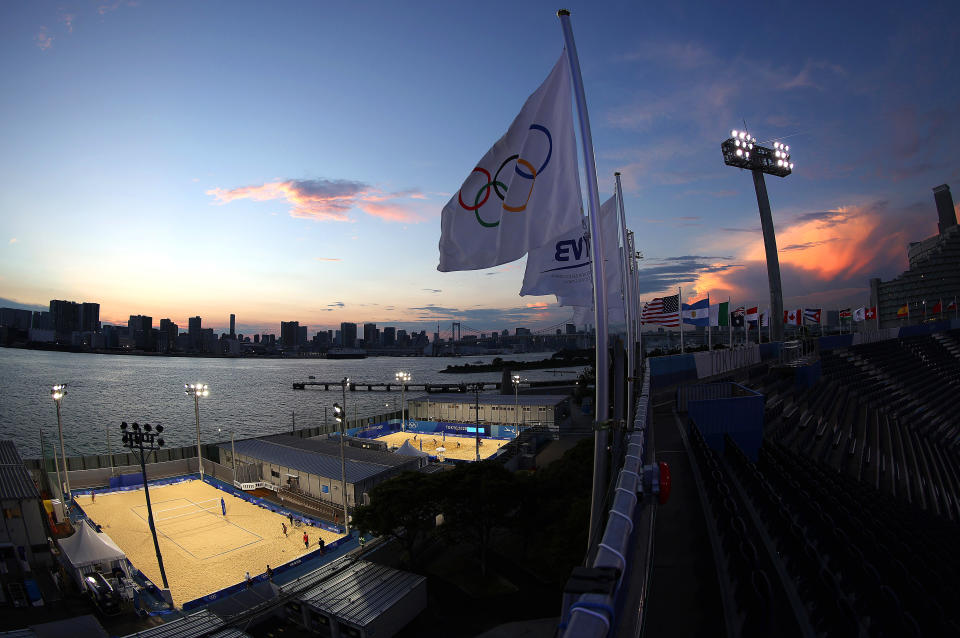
[(174, 160)]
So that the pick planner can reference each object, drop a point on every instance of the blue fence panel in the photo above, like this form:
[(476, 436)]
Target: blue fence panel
[(835, 341), (739, 416), (665, 371)]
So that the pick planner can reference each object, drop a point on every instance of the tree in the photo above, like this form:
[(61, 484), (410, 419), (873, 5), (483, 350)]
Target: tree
[(404, 507), (478, 498)]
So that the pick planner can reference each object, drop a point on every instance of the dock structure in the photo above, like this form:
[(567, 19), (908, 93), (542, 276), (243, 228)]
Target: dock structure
[(353, 386)]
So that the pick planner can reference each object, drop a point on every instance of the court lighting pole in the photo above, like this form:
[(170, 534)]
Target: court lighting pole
[(197, 390), (340, 415), (143, 441), (404, 379), (742, 151), (516, 401), (57, 393)]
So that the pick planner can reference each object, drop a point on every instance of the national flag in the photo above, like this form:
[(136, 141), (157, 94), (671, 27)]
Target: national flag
[(846, 314), (720, 314), (736, 317), (664, 311), (697, 313), (523, 191), (765, 318), (793, 317), (860, 314), (811, 315), (561, 266), (871, 313), (937, 308), (753, 315), (953, 305), (903, 311)]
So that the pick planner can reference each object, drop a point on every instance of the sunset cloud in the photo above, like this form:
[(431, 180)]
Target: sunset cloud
[(327, 200), (327, 259), (824, 255)]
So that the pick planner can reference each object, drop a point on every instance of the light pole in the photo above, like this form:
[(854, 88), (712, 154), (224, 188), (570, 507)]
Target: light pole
[(340, 415), (741, 150), (143, 441), (516, 401), (404, 378), (57, 393), (197, 390)]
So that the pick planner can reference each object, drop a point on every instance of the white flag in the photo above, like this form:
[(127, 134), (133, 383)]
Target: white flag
[(860, 314), (562, 266), (524, 191)]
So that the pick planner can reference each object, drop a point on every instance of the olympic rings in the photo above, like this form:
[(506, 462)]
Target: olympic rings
[(494, 183)]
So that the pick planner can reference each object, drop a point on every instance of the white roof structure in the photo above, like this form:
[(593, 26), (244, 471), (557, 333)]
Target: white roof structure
[(408, 450), (87, 547)]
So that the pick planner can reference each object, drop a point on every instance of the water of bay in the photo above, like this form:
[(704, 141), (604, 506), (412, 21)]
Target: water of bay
[(248, 397)]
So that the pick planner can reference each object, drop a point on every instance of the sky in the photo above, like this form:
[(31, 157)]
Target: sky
[(289, 161)]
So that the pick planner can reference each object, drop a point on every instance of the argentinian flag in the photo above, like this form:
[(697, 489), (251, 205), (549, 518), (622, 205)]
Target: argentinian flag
[(697, 313)]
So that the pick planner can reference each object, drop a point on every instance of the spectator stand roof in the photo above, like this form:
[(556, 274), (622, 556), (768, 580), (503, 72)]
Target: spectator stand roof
[(331, 447), (360, 593), (491, 399), (305, 460), (15, 480)]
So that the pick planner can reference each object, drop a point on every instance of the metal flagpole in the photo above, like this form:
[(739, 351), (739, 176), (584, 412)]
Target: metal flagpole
[(730, 322), (680, 311), (599, 287), (625, 287)]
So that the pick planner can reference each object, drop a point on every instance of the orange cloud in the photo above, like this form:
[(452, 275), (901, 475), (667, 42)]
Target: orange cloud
[(325, 200)]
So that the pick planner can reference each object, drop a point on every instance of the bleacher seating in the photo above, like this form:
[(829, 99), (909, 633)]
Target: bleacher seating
[(848, 523)]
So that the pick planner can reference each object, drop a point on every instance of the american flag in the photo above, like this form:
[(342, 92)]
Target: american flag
[(662, 310)]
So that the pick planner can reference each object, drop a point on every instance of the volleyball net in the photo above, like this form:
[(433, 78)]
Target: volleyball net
[(209, 506)]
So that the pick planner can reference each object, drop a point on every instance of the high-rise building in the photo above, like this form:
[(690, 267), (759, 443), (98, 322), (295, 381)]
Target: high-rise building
[(571, 328), (389, 336), (371, 336), (233, 326), (194, 332), (348, 334), (302, 335), (140, 331), (90, 317), (172, 330), (288, 333), (16, 318), (65, 316)]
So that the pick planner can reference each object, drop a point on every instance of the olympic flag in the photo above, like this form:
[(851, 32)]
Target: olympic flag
[(561, 266), (524, 191)]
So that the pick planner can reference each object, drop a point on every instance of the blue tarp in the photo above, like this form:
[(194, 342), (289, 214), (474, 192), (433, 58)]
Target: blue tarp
[(739, 416)]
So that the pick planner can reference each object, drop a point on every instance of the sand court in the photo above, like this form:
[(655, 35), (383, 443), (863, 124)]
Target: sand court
[(199, 529), (203, 550), (457, 447)]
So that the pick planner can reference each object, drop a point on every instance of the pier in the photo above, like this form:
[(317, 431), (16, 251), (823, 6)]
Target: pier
[(353, 386)]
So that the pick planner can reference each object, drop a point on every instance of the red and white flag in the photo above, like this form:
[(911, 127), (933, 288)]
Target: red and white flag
[(753, 314), (937, 307), (871, 313), (792, 317)]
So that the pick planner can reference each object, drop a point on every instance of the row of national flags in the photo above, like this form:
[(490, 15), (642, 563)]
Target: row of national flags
[(668, 312)]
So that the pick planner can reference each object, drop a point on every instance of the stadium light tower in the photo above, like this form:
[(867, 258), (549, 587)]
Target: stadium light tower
[(142, 441), (741, 150), (57, 393), (197, 390), (341, 416), (404, 378)]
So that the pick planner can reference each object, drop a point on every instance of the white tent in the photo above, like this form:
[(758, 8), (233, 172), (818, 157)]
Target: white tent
[(86, 547), (408, 450)]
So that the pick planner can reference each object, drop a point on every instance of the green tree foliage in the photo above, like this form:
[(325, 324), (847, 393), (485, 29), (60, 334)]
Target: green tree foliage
[(405, 508), (478, 498)]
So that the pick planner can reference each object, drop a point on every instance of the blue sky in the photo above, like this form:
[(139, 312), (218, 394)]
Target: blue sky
[(168, 158)]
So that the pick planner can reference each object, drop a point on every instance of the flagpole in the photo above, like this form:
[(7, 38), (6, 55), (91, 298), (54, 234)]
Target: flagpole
[(680, 310), (599, 286), (730, 323), (627, 299)]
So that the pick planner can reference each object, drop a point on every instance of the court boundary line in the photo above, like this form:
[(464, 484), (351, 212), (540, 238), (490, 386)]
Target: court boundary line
[(205, 511)]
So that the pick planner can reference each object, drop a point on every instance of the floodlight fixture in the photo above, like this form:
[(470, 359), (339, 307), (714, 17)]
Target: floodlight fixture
[(197, 390), (404, 378), (142, 441), (57, 392), (742, 151)]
